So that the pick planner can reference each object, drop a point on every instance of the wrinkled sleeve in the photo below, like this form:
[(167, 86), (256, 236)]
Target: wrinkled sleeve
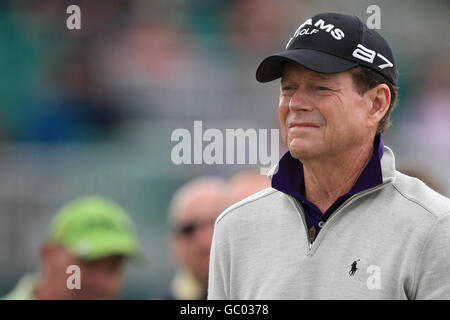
[(219, 265), (432, 274)]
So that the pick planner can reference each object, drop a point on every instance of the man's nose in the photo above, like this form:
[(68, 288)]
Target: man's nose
[(300, 100)]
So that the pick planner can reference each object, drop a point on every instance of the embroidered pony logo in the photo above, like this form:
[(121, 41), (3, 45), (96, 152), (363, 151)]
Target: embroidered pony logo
[(353, 268)]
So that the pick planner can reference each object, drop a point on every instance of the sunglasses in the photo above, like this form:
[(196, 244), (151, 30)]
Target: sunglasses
[(190, 228)]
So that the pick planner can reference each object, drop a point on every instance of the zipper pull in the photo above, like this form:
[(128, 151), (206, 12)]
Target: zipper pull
[(311, 236)]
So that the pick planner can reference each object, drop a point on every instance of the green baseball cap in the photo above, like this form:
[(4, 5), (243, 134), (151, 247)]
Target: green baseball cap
[(92, 228)]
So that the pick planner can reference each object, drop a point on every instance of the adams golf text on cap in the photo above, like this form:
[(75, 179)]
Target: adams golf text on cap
[(331, 43)]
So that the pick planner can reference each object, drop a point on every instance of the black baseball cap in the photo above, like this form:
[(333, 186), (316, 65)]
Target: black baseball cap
[(331, 43)]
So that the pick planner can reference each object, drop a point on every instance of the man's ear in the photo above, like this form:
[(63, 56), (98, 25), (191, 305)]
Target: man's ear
[(379, 99)]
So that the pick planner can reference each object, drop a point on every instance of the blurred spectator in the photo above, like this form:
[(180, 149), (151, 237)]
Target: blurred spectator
[(157, 70), (48, 92), (75, 112), (252, 26), (24, 57), (204, 18), (428, 121), (194, 209), (244, 184), (140, 65), (92, 233)]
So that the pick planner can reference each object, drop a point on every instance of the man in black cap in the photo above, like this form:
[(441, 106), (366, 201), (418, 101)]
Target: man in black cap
[(336, 196)]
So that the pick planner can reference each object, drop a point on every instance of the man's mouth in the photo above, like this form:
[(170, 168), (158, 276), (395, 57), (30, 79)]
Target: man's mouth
[(302, 125)]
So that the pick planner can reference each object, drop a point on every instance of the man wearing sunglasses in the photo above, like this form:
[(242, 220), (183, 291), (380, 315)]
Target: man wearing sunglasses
[(193, 210)]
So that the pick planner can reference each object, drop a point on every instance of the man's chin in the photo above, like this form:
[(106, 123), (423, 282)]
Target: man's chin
[(300, 150)]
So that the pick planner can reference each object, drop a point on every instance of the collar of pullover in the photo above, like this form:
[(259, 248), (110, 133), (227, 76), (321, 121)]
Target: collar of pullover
[(288, 177)]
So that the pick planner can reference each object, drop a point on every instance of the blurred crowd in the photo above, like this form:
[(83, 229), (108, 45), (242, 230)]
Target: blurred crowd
[(98, 237), (180, 59), (131, 59), (139, 68)]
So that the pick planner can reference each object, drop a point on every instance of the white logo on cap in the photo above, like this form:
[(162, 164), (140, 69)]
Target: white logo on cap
[(337, 33), (368, 55)]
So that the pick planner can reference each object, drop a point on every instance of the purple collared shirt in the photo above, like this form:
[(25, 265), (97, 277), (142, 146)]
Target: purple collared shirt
[(289, 179)]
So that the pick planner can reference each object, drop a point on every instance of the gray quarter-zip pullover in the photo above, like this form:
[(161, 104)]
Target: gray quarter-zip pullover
[(391, 241)]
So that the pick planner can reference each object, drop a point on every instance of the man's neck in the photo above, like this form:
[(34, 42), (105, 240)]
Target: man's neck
[(328, 178)]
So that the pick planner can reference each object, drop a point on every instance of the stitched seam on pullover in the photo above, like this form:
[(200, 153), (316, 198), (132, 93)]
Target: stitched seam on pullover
[(230, 210), (407, 197)]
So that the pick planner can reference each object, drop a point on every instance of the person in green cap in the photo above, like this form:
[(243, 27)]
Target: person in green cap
[(84, 254)]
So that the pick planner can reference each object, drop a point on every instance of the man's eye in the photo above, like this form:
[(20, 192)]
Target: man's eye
[(322, 88)]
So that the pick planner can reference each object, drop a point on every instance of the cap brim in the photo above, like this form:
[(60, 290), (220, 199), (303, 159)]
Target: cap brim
[(99, 245), (271, 68)]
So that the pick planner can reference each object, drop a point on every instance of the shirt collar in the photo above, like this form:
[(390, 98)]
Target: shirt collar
[(289, 178)]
